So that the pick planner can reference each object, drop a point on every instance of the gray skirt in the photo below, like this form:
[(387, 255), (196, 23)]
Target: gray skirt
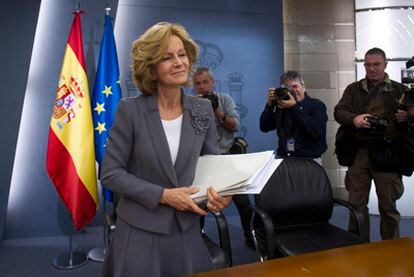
[(135, 252)]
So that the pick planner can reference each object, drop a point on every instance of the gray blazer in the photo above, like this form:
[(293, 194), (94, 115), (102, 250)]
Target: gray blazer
[(138, 165)]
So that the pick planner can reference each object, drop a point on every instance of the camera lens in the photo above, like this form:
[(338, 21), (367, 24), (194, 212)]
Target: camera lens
[(282, 93), (377, 123)]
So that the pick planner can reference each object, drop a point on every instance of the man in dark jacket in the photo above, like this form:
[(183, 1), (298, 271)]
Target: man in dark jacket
[(300, 120), (369, 111)]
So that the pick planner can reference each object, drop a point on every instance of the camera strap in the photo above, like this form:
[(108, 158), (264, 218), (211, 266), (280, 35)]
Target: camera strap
[(376, 105), (293, 125), (291, 130)]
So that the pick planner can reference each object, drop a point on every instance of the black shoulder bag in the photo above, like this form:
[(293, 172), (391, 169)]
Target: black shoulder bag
[(392, 155), (239, 146), (346, 146)]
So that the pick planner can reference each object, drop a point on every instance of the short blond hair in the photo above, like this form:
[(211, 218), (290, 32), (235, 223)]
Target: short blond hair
[(149, 49)]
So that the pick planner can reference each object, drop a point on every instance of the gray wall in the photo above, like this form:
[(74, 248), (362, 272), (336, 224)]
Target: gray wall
[(18, 25), (242, 39)]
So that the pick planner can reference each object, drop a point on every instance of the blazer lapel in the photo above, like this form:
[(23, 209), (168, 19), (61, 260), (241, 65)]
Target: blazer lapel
[(187, 138), (159, 140)]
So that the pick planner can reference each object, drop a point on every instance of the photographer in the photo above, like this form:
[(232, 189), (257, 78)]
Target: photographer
[(371, 120), (410, 115), (227, 121), (299, 120), (227, 117), (407, 101)]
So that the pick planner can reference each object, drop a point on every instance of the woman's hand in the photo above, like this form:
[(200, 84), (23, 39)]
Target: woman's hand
[(179, 198), (216, 202)]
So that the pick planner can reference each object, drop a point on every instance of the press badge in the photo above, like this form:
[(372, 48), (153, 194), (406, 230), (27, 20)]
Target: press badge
[(290, 145)]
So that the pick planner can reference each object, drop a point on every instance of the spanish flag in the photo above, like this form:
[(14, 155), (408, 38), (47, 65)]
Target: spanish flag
[(70, 160)]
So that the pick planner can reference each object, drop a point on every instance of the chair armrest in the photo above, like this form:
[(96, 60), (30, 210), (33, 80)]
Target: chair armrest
[(356, 215), (269, 230), (224, 235)]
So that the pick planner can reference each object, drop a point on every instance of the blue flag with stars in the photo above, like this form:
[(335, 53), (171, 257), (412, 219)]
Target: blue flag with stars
[(106, 92)]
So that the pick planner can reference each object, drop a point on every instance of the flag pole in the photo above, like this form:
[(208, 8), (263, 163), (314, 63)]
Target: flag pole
[(98, 254), (61, 167), (71, 259)]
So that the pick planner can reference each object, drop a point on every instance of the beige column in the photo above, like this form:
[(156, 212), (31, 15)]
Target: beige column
[(319, 43)]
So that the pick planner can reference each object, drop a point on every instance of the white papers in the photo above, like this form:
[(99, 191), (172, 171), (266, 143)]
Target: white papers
[(234, 174)]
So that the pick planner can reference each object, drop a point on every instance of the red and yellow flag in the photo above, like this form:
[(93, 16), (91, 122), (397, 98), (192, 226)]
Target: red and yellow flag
[(70, 160)]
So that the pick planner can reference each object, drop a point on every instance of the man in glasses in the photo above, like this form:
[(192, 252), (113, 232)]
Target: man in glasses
[(368, 112), (299, 120)]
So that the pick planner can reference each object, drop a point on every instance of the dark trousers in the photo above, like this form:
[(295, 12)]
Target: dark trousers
[(242, 203), (389, 188)]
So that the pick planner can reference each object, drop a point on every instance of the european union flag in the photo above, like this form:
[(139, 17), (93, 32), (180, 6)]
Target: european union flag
[(106, 92)]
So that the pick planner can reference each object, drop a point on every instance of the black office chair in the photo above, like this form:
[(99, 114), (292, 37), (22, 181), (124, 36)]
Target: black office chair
[(220, 254), (293, 210)]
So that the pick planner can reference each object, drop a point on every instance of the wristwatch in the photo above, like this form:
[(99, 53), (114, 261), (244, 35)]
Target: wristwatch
[(221, 121)]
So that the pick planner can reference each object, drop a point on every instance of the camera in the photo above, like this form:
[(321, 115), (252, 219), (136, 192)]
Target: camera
[(282, 93), (407, 78), (213, 99), (377, 123)]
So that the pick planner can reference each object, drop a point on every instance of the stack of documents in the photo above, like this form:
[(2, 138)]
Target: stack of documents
[(234, 174)]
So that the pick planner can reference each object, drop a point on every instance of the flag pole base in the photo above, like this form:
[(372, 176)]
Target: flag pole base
[(70, 260), (97, 254)]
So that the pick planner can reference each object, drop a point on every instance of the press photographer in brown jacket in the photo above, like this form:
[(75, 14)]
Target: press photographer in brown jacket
[(369, 111)]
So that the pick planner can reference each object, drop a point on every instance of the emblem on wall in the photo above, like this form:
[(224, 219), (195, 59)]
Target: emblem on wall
[(235, 84), (212, 56)]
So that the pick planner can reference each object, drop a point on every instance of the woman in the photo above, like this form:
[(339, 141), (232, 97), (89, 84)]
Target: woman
[(150, 160)]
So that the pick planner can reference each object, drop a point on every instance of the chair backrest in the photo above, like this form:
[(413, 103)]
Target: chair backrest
[(298, 193)]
